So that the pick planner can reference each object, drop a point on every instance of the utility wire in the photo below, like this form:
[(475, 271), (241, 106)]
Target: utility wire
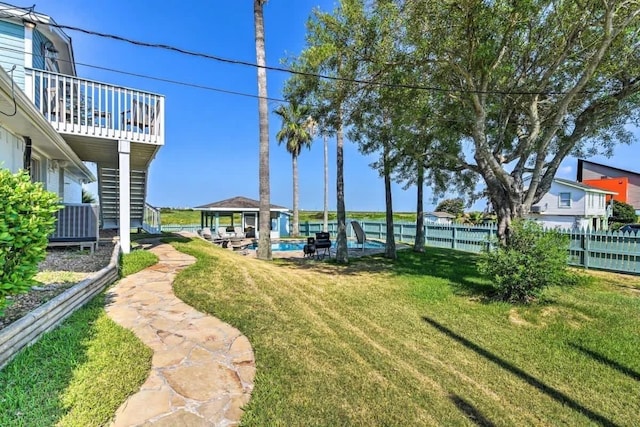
[(159, 79), (30, 12)]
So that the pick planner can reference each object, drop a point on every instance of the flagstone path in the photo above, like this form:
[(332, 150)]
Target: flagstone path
[(202, 369)]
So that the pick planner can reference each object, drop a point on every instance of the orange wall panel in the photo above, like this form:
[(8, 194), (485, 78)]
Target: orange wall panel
[(619, 185)]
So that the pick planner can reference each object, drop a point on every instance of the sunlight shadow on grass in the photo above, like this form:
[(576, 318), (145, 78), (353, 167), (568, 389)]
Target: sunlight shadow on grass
[(531, 380), (606, 361), (471, 411)]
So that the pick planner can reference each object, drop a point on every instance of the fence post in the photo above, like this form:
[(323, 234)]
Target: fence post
[(584, 245), (586, 248), (453, 237), (400, 232)]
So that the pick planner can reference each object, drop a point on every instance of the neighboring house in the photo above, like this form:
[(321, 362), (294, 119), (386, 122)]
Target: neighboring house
[(54, 121), (249, 211), (573, 205), (625, 183), (439, 217)]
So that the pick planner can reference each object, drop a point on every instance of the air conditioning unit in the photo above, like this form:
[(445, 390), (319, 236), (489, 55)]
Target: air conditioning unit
[(538, 209)]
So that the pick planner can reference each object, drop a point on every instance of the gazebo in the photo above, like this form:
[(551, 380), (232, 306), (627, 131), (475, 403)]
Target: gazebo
[(249, 211)]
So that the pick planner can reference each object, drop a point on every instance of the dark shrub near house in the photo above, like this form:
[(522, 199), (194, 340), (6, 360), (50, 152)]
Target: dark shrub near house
[(26, 220)]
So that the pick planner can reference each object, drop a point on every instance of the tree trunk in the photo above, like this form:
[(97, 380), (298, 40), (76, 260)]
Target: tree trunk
[(342, 253), (264, 240), (295, 228), (390, 247), (418, 245), (508, 205), (325, 223)]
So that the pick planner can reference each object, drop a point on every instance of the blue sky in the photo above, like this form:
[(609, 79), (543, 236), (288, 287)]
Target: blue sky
[(211, 148)]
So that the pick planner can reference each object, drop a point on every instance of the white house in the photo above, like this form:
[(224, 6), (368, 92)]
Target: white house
[(572, 205), (52, 121), (439, 217)]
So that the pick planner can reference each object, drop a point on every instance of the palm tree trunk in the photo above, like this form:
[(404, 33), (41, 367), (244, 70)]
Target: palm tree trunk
[(264, 240), (419, 243), (325, 224), (342, 253), (296, 228), (390, 247)]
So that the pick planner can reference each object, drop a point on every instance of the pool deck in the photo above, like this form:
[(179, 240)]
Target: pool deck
[(353, 252)]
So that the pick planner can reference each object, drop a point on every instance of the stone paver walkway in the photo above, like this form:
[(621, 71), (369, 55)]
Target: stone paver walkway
[(202, 369)]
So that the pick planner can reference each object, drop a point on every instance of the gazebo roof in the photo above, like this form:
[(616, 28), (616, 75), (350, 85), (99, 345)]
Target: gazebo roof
[(238, 204)]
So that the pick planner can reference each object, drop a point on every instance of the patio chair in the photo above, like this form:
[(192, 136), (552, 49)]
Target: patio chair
[(141, 116), (361, 237), (206, 233), (223, 234), (238, 231)]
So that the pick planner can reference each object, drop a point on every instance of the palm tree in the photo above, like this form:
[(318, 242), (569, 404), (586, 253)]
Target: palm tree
[(297, 130), (264, 240)]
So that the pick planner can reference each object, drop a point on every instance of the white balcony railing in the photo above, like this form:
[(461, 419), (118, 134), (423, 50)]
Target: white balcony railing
[(89, 108)]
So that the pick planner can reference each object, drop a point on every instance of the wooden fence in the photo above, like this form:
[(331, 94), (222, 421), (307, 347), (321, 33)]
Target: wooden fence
[(611, 251)]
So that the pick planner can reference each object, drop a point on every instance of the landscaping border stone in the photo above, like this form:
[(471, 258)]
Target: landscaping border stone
[(27, 330)]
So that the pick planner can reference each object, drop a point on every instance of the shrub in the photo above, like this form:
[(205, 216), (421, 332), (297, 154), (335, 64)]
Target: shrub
[(531, 260), (623, 213), (26, 220), (453, 206)]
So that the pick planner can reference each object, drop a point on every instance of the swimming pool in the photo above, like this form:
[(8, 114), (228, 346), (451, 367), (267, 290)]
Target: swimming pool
[(296, 245)]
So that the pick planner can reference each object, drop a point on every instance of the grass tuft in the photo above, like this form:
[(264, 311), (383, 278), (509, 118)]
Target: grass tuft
[(76, 375), (420, 342), (136, 261)]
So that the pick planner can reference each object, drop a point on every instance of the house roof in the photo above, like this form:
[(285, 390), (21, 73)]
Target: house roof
[(582, 186), (237, 203), (440, 214), (581, 163)]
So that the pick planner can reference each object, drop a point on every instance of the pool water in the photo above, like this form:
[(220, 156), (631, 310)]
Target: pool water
[(298, 245)]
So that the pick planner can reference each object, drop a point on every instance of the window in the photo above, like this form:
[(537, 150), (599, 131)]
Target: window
[(35, 170), (564, 201)]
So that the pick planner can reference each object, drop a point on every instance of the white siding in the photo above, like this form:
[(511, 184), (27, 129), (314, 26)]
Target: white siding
[(550, 202), (555, 221), (72, 192), (53, 178), (11, 151)]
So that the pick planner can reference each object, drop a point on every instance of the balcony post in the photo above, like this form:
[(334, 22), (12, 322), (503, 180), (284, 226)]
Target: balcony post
[(124, 154)]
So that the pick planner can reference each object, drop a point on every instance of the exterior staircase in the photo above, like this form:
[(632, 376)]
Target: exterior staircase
[(109, 201)]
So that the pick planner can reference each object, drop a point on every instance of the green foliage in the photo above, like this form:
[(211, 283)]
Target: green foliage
[(26, 220), (297, 127), (623, 213), (137, 261), (532, 260), (453, 206), (75, 375), (87, 197)]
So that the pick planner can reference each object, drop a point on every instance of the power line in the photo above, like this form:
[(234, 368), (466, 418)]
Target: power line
[(30, 12), (160, 79)]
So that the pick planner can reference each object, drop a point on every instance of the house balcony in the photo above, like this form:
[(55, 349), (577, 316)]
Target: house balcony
[(93, 116)]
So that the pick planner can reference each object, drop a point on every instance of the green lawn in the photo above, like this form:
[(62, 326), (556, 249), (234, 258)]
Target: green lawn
[(79, 373), (419, 342), (186, 216)]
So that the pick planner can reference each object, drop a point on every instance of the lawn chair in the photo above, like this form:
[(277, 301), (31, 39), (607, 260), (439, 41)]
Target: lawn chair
[(323, 245), (361, 237), (206, 233), (223, 234), (238, 231)]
